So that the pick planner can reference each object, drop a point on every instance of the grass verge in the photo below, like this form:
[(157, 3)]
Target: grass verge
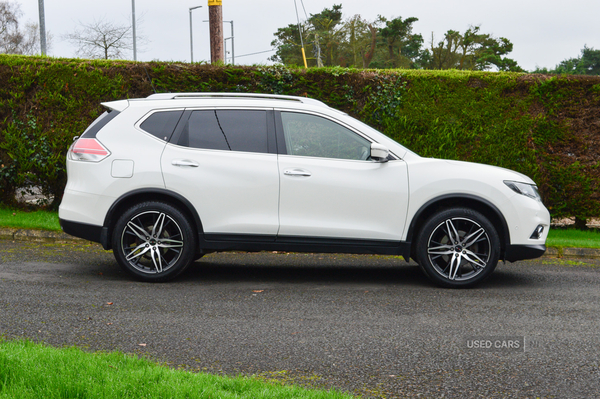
[(573, 238), (31, 370), (47, 220), (35, 220)]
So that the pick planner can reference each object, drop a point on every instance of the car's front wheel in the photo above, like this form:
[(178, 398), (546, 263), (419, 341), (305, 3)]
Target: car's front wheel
[(458, 247), (154, 241)]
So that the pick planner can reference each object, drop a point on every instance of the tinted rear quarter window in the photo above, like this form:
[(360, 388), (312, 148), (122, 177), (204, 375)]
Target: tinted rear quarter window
[(161, 124), (99, 123)]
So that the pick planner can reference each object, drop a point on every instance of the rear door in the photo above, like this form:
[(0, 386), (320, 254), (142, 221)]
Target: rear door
[(224, 162)]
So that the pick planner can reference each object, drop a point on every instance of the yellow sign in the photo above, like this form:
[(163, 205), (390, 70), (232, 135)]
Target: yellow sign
[(214, 2)]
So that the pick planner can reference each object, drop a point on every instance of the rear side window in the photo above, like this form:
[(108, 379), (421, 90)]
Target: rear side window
[(230, 130), (161, 124), (99, 123)]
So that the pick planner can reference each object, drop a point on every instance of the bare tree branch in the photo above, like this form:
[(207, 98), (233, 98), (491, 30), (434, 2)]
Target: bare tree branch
[(10, 35), (101, 39), (13, 39)]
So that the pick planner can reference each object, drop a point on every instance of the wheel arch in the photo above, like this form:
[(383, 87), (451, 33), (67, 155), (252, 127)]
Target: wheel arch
[(476, 203), (143, 195)]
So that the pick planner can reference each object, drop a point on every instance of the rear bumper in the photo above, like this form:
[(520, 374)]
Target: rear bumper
[(86, 231), (514, 253)]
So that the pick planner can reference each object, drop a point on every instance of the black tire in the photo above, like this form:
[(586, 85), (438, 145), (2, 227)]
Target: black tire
[(154, 241), (458, 248)]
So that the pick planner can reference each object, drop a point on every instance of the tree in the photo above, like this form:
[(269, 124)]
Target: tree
[(491, 54), (387, 43), (445, 54), (13, 39), (590, 61), (327, 38), (472, 50), (9, 27), (288, 44), (321, 35), (360, 40), (101, 39), (587, 64), (329, 41), (404, 47)]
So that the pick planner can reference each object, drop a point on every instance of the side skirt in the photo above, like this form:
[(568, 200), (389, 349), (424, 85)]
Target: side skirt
[(252, 243), (228, 242)]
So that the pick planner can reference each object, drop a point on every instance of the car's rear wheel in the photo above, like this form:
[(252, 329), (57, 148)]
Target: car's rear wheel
[(154, 241), (458, 247)]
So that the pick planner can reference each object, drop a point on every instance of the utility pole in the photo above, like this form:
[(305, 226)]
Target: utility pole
[(133, 25), (215, 18), (300, 32), (42, 27), (191, 35)]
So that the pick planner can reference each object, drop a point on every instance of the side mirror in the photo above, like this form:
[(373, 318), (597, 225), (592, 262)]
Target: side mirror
[(379, 153)]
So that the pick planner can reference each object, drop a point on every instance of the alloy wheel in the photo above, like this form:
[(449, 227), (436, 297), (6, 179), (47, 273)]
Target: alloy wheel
[(152, 242), (459, 249)]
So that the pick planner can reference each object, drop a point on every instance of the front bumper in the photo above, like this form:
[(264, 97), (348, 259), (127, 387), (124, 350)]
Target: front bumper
[(514, 253)]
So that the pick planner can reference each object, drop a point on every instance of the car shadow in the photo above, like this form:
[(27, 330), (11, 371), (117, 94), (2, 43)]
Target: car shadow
[(302, 268), (502, 278), (402, 274), (314, 268)]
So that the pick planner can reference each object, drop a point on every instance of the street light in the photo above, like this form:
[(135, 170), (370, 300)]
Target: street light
[(232, 46), (133, 25), (191, 36), (42, 27)]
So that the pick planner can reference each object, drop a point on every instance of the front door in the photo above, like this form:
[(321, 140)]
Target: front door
[(330, 188)]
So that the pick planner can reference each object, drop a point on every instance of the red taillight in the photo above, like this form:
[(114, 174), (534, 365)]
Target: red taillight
[(88, 150)]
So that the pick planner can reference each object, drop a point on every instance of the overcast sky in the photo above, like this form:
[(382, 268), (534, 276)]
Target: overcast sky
[(543, 32)]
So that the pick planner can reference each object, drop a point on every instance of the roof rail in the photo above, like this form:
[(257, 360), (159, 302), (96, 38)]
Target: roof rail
[(175, 96)]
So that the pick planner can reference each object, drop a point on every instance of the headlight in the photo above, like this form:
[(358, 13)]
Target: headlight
[(528, 190)]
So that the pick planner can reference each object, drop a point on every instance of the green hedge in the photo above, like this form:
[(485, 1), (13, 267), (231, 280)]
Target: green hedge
[(546, 127)]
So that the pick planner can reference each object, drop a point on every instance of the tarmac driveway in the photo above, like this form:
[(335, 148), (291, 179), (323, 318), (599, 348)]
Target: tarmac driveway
[(370, 325)]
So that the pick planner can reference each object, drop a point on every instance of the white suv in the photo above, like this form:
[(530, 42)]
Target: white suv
[(166, 179)]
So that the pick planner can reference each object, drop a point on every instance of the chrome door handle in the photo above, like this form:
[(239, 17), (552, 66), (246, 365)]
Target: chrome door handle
[(185, 162), (296, 172)]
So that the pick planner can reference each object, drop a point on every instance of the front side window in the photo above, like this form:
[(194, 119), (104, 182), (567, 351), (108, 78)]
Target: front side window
[(314, 136), (229, 130)]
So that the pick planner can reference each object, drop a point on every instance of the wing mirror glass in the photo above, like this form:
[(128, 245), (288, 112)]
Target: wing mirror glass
[(379, 153)]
